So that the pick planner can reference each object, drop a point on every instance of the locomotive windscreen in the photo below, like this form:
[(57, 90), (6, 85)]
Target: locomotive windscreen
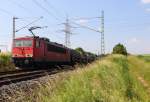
[(23, 43)]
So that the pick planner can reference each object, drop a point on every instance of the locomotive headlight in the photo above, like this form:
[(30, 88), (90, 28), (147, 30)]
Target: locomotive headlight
[(26, 61), (14, 55), (29, 55)]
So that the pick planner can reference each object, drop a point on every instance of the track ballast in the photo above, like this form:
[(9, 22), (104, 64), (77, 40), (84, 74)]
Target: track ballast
[(7, 78)]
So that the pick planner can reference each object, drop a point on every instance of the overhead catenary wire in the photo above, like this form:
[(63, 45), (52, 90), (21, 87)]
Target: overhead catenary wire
[(86, 18), (20, 18), (42, 7), (58, 12), (45, 9), (87, 27), (121, 25), (6, 12), (20, 6), (29, 24), (92, 29)]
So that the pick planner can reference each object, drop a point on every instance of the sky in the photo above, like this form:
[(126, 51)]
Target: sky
[(126, 22)]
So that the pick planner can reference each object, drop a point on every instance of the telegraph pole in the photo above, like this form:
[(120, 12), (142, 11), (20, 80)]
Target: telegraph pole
[(102, 34)]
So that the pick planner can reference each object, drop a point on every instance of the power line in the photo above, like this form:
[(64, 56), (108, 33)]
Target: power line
[(21, 6), (45, 9), (29, 24), (7, 12), (53, 7), (86, 18), (86, 27)]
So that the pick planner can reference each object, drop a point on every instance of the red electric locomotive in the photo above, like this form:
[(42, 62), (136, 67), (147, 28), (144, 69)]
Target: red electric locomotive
[(35, 50)]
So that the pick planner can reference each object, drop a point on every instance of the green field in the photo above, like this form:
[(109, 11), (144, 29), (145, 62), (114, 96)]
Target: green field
[(113, 79), (145, 57)]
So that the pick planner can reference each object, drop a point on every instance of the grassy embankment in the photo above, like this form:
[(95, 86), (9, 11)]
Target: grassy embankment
[(5, 62), (113, 79), (141, 66)]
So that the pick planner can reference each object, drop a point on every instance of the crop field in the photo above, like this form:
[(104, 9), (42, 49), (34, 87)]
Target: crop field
[(5, 62), (113, 79)]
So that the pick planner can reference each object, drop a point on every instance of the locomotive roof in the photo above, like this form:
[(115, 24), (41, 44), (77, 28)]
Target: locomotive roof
[(26, 37), (43, 38), (56, 44)]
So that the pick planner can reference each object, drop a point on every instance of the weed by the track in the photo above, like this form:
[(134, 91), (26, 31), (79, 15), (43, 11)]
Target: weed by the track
[(5, 62)]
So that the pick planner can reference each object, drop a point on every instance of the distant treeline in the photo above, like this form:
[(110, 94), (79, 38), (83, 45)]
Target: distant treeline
[(85, 53)]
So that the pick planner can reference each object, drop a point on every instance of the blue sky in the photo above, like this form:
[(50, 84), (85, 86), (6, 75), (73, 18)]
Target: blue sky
[(126, 22)]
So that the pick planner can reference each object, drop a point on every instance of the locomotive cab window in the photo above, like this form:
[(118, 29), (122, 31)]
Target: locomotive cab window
[(37, 44), (27, 43), (23, 43)]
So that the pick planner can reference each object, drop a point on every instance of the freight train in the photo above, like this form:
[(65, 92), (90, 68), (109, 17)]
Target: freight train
[(35, 51)]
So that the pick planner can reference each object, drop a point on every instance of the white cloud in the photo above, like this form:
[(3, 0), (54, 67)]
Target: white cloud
[(148, 9), (82, 21), (133, 41), (145, 1), (147, 49)]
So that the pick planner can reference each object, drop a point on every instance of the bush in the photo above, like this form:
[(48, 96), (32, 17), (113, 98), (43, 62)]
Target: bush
[(80, 50), (5, 62), (119, 49)]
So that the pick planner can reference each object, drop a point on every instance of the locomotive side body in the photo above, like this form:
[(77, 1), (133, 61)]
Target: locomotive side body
[(57, 53), (39, 53)]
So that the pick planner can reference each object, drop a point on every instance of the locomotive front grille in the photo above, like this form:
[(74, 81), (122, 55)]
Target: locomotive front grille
[(22, 61)]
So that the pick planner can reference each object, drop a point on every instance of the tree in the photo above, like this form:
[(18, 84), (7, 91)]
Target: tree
[(119, 49), (80, 50)]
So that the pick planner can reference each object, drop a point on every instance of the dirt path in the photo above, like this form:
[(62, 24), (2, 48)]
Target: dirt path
[(144, 83)]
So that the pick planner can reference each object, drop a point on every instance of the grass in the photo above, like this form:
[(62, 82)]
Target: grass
[(140, 66), (5, 62), (145, 57), (112, 79)]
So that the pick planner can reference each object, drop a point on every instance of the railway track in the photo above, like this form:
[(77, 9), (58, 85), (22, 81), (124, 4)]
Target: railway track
[(7, 78)]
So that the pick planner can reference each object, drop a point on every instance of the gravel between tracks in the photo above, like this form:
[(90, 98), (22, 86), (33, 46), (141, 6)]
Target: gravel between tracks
[(19, 91)]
